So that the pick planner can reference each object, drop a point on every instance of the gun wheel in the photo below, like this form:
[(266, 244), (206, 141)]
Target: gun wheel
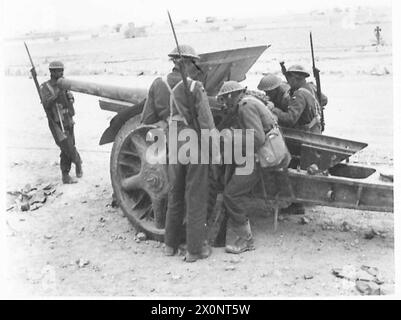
[(139, 187)]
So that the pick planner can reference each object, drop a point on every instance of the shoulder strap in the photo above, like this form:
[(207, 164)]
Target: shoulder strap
[(192, 87), (173, 100), (50, 88)]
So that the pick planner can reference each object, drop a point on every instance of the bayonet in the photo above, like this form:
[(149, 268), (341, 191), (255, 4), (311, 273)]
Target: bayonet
[(34, 74)]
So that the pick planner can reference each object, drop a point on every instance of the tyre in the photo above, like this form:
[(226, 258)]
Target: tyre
[(140, 188)]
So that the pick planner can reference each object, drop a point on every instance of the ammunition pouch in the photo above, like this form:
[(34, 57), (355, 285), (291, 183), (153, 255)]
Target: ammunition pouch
[(274, 152)]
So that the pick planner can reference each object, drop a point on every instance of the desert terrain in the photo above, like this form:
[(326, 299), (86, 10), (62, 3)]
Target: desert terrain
[(77, 244)]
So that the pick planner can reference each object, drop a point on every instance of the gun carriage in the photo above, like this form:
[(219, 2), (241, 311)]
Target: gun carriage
[(141, 188)]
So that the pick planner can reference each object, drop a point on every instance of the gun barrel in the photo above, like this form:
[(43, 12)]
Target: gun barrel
[(132, 95)]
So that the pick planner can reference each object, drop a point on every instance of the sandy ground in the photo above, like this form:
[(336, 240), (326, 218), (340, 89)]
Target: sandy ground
[(77, 245), (79, 224)]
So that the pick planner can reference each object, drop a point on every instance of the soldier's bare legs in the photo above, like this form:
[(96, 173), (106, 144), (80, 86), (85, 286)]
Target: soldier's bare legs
[(69, 155), (78, 170)]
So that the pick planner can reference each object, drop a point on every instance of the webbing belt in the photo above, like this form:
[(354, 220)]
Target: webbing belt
[(180, 116)]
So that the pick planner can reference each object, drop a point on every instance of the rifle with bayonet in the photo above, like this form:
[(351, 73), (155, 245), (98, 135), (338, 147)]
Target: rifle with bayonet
[(189, 96), (61, 135), (316, 74), (34, 74)]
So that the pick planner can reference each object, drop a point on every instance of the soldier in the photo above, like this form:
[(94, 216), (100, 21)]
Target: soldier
[(59, 110), (251, 114), (188, 196), (265, 99), (277, 90), (303, 112)]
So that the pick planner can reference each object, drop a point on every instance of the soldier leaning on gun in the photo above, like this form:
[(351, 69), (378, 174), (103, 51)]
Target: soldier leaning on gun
[(303, 112), (189, 184), (59, 109), (250, 113)]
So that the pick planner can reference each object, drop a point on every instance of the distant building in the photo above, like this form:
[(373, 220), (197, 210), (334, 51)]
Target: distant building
[(210, 19), (130, 31)]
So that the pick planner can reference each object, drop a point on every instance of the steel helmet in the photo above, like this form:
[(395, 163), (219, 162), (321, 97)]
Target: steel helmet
[(56, 65), (299, 70), (229, 87), (269, 82), (186, 52)]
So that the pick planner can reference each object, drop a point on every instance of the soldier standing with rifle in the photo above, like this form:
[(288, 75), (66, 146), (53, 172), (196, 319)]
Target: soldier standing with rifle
[(299, 72), (183, 103), (305, 110), (59, 109)]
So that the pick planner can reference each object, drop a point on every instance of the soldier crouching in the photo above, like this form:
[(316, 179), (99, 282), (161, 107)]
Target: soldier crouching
[(250, 114)]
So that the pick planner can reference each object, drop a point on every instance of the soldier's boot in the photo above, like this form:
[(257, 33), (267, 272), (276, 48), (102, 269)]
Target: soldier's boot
[(206, 251), (294, 208), (169, 251), (78, 170), (239, 238), (67, 179)]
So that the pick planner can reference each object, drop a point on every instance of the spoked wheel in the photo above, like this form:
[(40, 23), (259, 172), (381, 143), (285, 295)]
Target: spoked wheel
[(140, 187)]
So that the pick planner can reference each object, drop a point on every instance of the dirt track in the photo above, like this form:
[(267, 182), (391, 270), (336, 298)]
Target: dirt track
[(77, 223)]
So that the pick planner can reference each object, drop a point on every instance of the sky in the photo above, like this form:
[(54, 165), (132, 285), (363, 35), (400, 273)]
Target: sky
[(21, 16)]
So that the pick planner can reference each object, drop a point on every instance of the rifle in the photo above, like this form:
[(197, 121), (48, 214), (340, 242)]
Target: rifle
[(316, 74), (34, 74), (190, 99), (62, 135), (284, 70)]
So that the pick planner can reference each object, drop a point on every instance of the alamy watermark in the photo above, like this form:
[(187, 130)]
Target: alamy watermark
[(183, 147)]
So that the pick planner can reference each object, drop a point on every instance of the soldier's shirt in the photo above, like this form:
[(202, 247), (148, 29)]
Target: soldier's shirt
[(157, 105), (261, 96), (48, 92), (313, 89), (301, 109), (253, 114)]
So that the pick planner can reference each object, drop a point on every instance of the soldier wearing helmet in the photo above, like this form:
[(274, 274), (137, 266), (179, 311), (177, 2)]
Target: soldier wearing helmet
[(303, 110), (250, 113), (276, 89), (58, 105), (188, 196)]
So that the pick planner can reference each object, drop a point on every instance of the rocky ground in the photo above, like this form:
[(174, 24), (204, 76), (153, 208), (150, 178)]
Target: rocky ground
[(75, 244)]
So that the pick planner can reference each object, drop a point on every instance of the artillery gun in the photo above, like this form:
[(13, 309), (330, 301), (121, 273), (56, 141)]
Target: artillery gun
[(141, 188)]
